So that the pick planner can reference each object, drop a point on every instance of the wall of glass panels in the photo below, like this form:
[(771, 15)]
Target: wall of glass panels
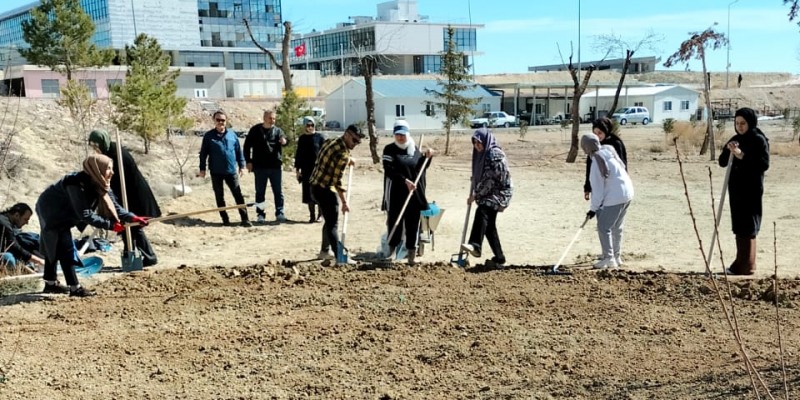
[(11, 28), (247, 61), (465, 39), (221, 22), (199, 59), (331, 44)]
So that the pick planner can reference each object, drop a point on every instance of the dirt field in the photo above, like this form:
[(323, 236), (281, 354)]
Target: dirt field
[(246, 313)]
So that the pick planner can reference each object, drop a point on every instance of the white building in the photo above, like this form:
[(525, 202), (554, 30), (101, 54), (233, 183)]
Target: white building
[(396, 99), (401, 41), (676, 102)]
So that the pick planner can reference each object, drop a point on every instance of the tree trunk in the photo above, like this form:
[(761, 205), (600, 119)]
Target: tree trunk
[(576, 103), (146, 145), (447, 130), (367, 64), (625, 66), (709, 140), (287, 73)]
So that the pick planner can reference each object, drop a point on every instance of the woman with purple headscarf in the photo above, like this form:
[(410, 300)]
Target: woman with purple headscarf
[(491, 191)]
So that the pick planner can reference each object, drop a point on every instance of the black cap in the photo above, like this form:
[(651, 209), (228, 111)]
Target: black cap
[(355, 129)]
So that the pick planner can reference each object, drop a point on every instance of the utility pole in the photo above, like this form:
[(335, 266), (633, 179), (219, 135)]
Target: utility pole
[(344, 107), (728, 60)]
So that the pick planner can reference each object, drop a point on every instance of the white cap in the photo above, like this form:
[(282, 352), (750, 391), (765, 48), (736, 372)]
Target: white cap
[(401, 127)]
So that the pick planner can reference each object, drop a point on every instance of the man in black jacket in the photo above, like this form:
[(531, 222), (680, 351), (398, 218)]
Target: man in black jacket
[(11, 221), (263, 155)]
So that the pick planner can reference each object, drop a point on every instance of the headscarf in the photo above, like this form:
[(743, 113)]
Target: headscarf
[(604, 124), (487, 139), (95, 166), (590, 144), (102, 139), (309, 120)]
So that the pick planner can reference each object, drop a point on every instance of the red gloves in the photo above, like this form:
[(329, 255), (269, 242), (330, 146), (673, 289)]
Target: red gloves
[(140, 220), (118, 228)]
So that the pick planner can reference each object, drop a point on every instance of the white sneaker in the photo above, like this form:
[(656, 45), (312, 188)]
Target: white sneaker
[(470, 249), (605, 264), (347, 261), (325, 255), (261, 219), (618, 260)]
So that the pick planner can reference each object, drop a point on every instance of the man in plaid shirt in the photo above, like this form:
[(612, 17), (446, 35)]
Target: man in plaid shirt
[(326, 184)]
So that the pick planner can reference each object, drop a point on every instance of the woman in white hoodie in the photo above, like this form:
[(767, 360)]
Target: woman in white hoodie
[(612, 192)]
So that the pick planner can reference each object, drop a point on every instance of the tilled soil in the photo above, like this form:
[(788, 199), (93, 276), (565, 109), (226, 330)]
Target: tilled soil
[(300, 330)]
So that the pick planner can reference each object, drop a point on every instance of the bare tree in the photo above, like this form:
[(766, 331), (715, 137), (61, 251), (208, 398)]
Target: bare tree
[(793, 10), (695, 47), (617, 45), (579, 87), (284, 64)]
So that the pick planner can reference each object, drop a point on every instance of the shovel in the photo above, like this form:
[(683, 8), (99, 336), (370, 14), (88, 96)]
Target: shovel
[(408, 198), (342, 254), (131, 260), (461, 259), (555, 270)]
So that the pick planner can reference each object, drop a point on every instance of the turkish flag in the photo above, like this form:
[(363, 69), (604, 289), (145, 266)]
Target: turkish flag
[(300, 51)]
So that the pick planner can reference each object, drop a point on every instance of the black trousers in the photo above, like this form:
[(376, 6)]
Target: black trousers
[(232, 180), (329, 206), (141, 242), (410, 222), (58, 246), (485, 225)]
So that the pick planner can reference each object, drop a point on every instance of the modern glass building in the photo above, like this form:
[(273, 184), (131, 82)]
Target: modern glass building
[(402, 41), (197, 33)]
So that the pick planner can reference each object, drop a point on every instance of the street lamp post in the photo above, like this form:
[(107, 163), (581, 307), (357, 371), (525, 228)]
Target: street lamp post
[(728, 60)]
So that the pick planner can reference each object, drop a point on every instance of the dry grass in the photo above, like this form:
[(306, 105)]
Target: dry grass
[(786, 149)]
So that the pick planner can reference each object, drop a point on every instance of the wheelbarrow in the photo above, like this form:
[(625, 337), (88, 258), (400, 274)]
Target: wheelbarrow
[(429, 221)]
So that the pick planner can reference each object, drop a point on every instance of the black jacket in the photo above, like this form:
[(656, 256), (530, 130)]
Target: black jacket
[(263, 148), (141, 200), (306, 155), (8, 240), (617, 144), (397, 167), (746, 183), (71, 202)]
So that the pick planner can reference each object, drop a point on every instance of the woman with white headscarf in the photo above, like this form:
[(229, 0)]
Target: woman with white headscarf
[(612, 192), (402, 163)]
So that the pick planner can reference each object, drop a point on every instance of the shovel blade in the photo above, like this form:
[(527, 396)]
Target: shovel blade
[(131, 262)]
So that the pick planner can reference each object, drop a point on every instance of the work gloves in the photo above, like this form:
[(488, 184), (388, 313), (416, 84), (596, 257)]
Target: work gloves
[(590, 214), (118, 228), (140, 220)]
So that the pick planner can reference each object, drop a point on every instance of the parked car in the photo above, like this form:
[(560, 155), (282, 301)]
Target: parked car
[(494, 119), (633, 115), (560, 117)]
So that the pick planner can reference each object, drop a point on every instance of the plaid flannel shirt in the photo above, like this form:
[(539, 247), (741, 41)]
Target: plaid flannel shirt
[(331, 162)]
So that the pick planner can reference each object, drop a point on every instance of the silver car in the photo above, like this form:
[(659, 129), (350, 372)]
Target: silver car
[(633, 115)]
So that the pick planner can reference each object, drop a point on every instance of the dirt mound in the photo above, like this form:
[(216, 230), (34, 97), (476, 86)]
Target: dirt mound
[(428, 332)]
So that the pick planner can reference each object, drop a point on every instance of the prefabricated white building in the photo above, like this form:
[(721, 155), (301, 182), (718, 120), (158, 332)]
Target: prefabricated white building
[(676, 102), (397, 99)]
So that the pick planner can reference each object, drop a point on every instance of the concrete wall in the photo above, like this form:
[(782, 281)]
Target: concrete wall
[(33, 80), (213, 83), (173, 22)]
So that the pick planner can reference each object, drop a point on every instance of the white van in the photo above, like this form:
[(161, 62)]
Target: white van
[(633, 115)]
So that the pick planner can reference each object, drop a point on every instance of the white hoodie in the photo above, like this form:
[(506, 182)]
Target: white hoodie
[(617, 188)]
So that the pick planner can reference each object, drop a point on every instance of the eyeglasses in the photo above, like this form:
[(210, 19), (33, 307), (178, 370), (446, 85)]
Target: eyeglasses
[(221, 120), (356, 139)]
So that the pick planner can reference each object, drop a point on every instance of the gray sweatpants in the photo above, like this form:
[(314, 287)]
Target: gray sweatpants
[(610, 221)]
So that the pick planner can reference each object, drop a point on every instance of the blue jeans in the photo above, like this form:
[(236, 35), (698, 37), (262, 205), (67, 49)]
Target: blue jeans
[(8, 260), (273, 175)]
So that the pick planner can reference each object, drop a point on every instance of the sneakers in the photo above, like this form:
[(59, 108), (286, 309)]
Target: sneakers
[(261, 219), (346, 261), (325, 255), (246, 224), (81, 292), (281, 218), (618, 260), (56, 288), (605, 264), (471, 249)]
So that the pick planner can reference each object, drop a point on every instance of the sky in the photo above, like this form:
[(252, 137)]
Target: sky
[(522, 33)]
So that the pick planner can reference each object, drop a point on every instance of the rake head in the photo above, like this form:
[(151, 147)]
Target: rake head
[(460, 259)]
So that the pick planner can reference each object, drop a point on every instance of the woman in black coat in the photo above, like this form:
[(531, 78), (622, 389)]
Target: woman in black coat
[(141, 200), (750, 150), (604, 129), (402, 163), (308, 145), (77, 200)]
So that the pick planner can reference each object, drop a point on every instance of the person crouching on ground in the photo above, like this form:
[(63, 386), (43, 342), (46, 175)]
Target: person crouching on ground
[(491, 191), (77, 200), (308, 145), (11, 221), (327, 189), (141, 200), (750, 149), (612, 192), (402, 163)]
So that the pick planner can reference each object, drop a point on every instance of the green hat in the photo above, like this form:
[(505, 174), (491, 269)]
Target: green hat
[(101, 138)]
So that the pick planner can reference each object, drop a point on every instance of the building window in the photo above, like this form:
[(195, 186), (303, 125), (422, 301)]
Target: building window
[(638, 104), (199, 79), (90, 84), (400, 110), (110, 83), (430, 110), (50, 88), (486, 107), (667, 106), (684, 105)]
